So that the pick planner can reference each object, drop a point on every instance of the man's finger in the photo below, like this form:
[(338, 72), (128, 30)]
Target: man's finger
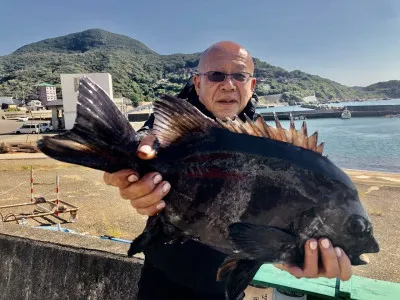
[(153, 198), (146, 148), (121, 179), (152, 210), (344, 264), (292, 269), (329, 259), (310, 259), (141, 187)]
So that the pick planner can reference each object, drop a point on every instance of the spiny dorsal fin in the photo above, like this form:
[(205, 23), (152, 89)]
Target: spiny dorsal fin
[(260, 128), (175, 118)]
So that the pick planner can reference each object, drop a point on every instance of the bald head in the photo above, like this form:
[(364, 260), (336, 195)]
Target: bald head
[(225, 50), (225, 96)]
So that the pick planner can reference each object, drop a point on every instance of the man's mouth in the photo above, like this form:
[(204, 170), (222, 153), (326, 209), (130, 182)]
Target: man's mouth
[(227, 102)]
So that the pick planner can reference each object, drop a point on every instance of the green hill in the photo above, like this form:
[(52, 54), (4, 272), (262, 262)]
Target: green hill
[(81, 42), (139, 73), (390, 88)]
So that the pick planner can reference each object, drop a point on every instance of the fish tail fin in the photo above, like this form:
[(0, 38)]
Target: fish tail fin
[(237, 274), (101, 138)]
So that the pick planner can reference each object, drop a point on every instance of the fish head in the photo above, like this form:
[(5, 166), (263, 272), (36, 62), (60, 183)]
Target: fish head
[(358, 238), (354, 228), (345, 223)]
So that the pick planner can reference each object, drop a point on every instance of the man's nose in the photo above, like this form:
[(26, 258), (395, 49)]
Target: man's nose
[(228, 84)]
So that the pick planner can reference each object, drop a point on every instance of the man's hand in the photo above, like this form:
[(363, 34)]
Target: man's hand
[(335, 263), (145, 193)]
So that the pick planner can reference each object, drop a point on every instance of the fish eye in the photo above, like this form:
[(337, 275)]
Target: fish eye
[(357, 225)]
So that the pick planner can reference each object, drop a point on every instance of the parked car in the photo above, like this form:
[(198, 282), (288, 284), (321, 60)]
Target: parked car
[(45, 127), (29, 128), (23, 119)]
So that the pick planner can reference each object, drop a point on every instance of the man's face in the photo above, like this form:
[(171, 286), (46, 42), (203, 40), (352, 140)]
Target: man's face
[(229, 97)]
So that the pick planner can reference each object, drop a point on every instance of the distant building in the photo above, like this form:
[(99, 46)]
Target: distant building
[(46, 92), (123, 104), (34, 105), (310, 99), (9, 102), (70, 86), (57, 114)]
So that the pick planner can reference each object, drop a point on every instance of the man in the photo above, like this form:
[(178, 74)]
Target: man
[(224, 87)]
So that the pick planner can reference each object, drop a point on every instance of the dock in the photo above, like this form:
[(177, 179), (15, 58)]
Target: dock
[(356, 111)]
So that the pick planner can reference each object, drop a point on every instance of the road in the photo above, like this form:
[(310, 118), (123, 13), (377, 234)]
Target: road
[(8, 126)]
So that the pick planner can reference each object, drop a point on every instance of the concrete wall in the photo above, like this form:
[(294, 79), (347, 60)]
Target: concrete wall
[(39, 264), (138, 117)]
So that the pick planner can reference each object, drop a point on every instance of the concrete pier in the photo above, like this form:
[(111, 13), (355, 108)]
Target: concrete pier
[(356, 111)]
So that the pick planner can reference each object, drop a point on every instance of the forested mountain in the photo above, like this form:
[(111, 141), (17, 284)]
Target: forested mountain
[(141, 74), (389, 88)]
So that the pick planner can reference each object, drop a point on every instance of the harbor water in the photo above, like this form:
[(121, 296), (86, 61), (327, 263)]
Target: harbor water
[(369, 143)]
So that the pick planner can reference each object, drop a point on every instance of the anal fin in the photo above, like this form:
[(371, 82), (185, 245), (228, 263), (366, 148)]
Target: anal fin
[(237, 274), (152, 230)]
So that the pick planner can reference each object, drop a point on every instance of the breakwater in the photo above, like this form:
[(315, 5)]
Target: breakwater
[(356, 111)]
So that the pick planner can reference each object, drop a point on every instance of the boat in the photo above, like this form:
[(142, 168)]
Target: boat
[(346, 114)]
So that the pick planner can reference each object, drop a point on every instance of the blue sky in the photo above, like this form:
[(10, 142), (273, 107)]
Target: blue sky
[(354, 42)]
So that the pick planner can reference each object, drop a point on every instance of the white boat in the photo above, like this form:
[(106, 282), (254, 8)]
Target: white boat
[(346, 114)]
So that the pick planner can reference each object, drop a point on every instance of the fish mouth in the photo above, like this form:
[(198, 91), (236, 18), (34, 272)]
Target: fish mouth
[(359, 260)]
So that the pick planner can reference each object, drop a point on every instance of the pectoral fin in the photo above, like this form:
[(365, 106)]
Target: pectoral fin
[(261, 243)]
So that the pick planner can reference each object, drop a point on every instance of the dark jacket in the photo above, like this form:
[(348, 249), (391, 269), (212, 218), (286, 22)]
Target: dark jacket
[(191, 263)]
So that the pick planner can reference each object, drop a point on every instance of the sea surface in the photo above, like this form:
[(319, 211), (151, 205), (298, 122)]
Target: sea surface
[(368, 143)]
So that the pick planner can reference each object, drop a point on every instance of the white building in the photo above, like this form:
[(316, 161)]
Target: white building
[(46, 92), (70, 86), (310, 99), (34, 105)]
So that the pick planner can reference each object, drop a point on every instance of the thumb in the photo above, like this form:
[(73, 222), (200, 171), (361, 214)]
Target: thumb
[(146, 148)]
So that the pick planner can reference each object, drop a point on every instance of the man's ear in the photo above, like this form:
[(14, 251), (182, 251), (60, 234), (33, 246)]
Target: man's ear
[(253, 84), (196, 83)]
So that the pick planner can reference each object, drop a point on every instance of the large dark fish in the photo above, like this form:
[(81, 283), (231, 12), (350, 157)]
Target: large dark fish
[(252, 191)]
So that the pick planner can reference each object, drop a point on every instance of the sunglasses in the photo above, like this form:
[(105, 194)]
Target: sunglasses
[(216, 76)]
